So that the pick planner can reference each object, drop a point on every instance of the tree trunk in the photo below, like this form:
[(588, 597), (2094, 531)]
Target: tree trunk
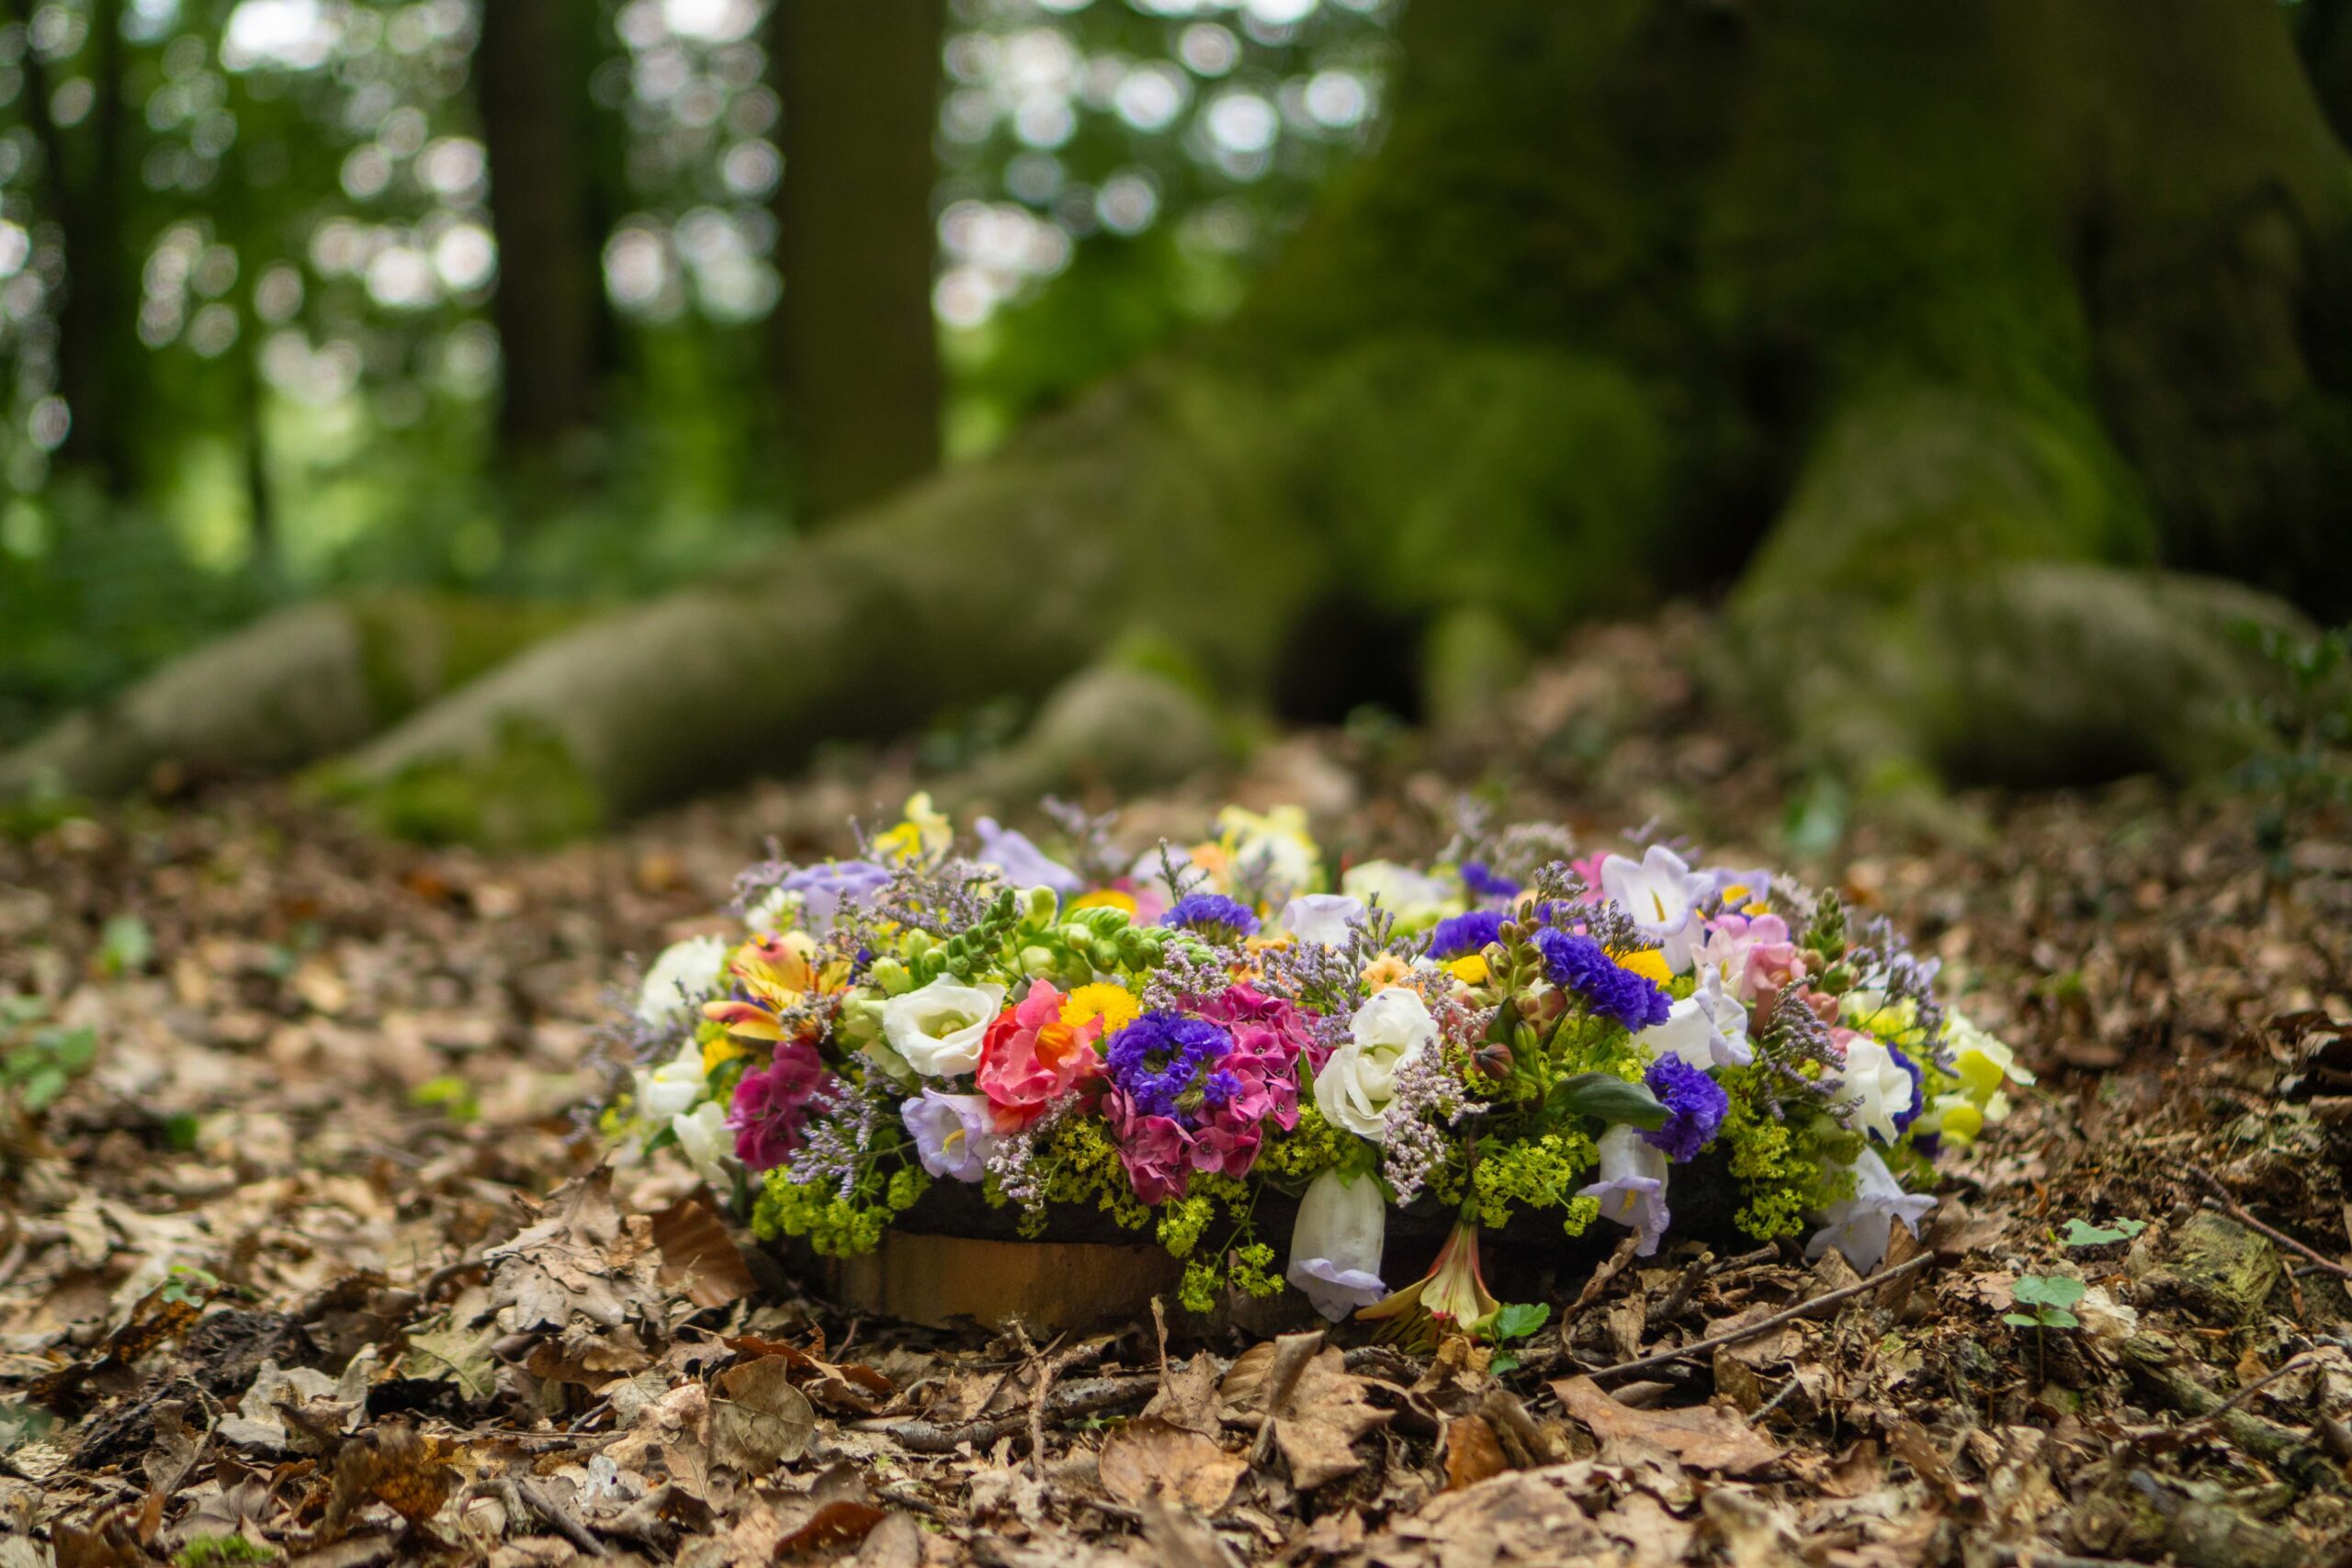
[(857, 361), (1988, 352), (84, 197), (550, 282)]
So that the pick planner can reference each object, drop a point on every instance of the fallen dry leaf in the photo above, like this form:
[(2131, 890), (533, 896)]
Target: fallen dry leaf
[(1149, 1456), (1703, 1438), (1473, 1452), (1324, 1416), (763, 1421), (699, 1259)]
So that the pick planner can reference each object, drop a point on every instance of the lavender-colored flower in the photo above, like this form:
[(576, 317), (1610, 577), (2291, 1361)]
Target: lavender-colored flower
[(951, 1133), (1459, 936), (1483, 882), (1632, 1188), (1336, 1244), (1580, 964), (1910, 1113), (1159, 1057), (1022, 863), (1214, 911), (825, 890), (1861, 1225), (1695, 1106)]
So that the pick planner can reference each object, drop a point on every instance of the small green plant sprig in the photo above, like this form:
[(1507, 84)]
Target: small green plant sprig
[(2083, 1232), (38, 1064), (1513, 1320), (2050, 1298)]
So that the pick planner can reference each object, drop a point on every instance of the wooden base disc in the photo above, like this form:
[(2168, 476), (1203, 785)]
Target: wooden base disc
[(1049, 1285)]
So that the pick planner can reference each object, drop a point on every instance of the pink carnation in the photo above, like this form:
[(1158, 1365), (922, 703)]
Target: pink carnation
[(1029, 1058), (772, 1105)]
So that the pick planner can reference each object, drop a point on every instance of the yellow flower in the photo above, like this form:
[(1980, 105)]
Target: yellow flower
[(1385, 971), (1648, 963), (1114, 1005), (925, 835), (1274, 849), (1470, 971), (1958, 1120), (719, 1049), (1105, 898)]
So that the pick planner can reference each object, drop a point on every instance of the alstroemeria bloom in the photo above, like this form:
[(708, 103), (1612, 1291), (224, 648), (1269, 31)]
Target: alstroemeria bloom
[(1706, 1029), (666, 1090), (1861, 1225), (769, 977), (1882, 1084), (1657, 891), (938, 1028), (1452, 1289), (1327, 919), (1355, 1085), (951, 1134), (1335, 1247), (1632, 1188), (1030, 1057), (684, 974), (926, 834), (1023, 864)]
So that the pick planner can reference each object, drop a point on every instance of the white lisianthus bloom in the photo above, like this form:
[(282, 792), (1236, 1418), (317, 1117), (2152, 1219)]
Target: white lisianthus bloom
[(682, 978), (1873, 1076), (1632, 1188), (1658, 891), (672, 1088), (1861, 1225), (938, 1029), (708, 1146), (1359, 1080), (1325, 919), (1707, 1028), (1414, 897), (1335, 1247)]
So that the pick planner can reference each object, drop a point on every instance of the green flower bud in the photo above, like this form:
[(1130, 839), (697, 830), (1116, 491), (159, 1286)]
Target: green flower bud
[(1105, 954), (917, 944), (1041, 906), (892, 976), (1036, 962)]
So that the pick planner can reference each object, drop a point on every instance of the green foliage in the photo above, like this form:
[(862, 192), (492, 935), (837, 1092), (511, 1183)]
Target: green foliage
[(452, 1095), (190, 1286), (2047, 1297), (1782, 1166), (1513, 1320), (219, 1551), (124, 945), (2306, 717), (36, 1064), (1539, 1172), (527, 794), (2082, 1233)]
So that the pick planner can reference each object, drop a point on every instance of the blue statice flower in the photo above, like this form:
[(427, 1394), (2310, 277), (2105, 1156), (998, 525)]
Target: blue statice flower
[(1918, 1089), (1213, 910), (1580, 964), (1160, 1056), (1483, 882), (1695, 1106), (1459, 936)]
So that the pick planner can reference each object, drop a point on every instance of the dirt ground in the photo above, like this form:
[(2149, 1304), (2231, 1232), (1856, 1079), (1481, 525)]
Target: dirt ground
[(301, 1256)]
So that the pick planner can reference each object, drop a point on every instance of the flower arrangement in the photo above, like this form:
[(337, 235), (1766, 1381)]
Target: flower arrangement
[(1169, 1039)]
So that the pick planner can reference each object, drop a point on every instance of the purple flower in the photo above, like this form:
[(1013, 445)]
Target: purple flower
[(1910, 1113), (1156, 1060), (1211, 909), (951, 1132), (1695, 1105), (1632, 1188), (1022, 863), (1459, 936), (1477, 877), (772, 1105), (1580, 964), (824, 890)]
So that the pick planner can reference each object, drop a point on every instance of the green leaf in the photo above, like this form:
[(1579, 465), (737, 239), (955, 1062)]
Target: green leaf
[(1502, 1361), (2081, 1232), (2059, 1317), (1517, 1320), (180, 1132), (2019, 1320), (126, 944), (1609, 1098), (2048, 1290)]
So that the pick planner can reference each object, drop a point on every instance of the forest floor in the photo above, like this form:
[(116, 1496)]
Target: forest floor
[(246, 1310)]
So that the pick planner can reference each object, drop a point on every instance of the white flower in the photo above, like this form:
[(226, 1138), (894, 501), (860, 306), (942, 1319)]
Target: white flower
[(1326, 919), (1335, 1247), (681, 979), (1272, 855), (1657, 891), (775, 913), (672, 1088), (704, 1139), (1360, 1078), (1414, 897), (938, 1029), (1740, 889), (1707, 1028), (1632, 1188), (1873, 1076), (1860, 1225)]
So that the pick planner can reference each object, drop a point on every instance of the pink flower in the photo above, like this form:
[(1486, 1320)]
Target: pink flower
[(772, 1105), (1587, 870), (1268, 1030), (1029, 1058), (1156, 1150)]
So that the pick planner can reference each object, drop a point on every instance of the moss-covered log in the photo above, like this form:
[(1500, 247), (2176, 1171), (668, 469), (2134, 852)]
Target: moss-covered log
[(1989, 352)]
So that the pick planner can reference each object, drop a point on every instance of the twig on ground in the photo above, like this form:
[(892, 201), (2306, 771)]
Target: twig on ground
[(2221, 1203), (2181, 1433), (529, 1494), (1764, 1324), (1091, 1397)]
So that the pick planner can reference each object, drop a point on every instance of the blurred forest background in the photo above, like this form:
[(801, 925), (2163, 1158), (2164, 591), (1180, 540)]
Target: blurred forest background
[(304, 295)]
